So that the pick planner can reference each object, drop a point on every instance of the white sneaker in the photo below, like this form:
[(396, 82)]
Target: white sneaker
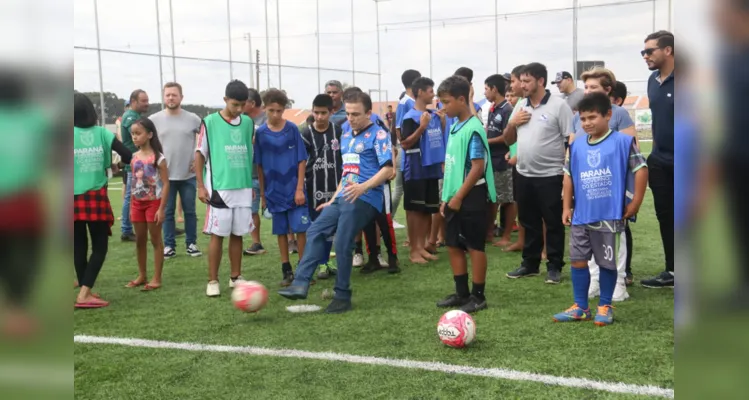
[(169, 253), (358, 260), (233, 282), (213, 289), (383, 262), (595, 289), (396, 225), (620, 292), (193, 251)]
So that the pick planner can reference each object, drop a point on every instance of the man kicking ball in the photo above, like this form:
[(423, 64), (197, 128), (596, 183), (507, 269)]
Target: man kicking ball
[(367, 165)]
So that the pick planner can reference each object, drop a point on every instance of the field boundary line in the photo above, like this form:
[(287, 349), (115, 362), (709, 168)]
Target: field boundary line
[(500, 373)]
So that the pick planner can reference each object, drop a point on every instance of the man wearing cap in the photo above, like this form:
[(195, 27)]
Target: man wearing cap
[(570, 92)]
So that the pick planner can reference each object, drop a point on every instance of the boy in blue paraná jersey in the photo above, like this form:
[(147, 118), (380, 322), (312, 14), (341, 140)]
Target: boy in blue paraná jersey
[(596, 175), (281, 159), (423, 141), (367, 165)]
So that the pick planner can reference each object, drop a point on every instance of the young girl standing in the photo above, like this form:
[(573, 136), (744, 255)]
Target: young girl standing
[(150, 191)]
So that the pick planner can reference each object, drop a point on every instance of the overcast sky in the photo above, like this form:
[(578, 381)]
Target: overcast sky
[(462, 35)]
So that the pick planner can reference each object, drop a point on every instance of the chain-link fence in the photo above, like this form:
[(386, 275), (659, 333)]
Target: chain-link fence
[(298, 45)]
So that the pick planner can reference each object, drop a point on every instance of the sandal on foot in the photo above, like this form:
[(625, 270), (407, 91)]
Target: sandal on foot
[(149, 288)]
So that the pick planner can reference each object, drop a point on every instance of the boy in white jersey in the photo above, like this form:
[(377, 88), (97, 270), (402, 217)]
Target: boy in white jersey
[(598, 174), (223, 162)]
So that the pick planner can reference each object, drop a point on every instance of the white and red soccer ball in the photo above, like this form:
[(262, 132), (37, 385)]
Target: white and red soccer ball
[(456, 329), (249, 296)]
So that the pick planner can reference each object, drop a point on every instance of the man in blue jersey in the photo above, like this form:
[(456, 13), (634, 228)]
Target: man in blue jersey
[(383, 222), (596, 176), (281, 159), (423, 141), (367, 165)]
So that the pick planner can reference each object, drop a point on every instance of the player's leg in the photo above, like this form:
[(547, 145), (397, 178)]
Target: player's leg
[(549, 191), (605, 246), (580, 252), (358, 259), (241, 226), (138, 219), (503, 185), (520, 242), (317, 235), (80, 249), (473, 226), (127, 226), (281, 231), (256, 248), (187, 195), (299, 221), (353, 218), (457, 253), (431, 208), (620, 289), (370, 236), (154, 230), (630, 245), (218, 223)]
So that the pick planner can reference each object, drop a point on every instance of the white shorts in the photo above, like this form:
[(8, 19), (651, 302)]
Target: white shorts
[(228, 221)]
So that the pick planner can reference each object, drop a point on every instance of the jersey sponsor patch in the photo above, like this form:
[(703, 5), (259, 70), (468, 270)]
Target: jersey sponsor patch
[(335, 145), (359, 147), (351, 169), (381, 135), (351, 159)]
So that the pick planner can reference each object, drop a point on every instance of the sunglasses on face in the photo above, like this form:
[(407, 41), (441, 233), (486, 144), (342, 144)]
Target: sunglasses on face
[(649, 51)]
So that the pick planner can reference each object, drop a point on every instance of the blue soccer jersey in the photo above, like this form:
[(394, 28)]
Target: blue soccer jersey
[(363, 155), (404, 106), (279, 154)]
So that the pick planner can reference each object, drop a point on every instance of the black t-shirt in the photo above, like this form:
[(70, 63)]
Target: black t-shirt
[(324, 163), (499, 116)]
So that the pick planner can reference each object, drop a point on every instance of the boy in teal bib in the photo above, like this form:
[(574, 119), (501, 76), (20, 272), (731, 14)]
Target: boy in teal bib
[(467, 191), (223, 166)]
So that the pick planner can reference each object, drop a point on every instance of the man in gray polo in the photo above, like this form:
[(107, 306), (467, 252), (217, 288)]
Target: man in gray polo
[(540, 124), (178, 129), (570, 92)]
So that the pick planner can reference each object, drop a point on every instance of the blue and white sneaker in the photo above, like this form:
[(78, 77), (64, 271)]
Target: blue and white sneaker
[(574, 313), (604, 316)]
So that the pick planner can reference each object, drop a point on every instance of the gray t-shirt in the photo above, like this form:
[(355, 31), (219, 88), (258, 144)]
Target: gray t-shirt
[(573, 98), (178, 137), (541, 140), (259, 121)]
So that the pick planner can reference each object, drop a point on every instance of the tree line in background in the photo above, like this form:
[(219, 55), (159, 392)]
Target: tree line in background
[(115, 106)]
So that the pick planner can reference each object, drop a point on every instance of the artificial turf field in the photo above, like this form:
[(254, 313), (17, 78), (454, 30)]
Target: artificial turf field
[(394, 317)]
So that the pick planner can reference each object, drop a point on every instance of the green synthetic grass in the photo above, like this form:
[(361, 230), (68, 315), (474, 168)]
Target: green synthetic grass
[(394, 316)]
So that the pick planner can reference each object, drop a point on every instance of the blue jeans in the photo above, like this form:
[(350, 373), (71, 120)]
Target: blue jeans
[(127, 226), (187, 192), (344, 220), (314, 215)]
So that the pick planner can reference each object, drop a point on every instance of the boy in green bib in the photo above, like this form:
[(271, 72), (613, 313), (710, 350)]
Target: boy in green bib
[(467, 190), (223, 166)]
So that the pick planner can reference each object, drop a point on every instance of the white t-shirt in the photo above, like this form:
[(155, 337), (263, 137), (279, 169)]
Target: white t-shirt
[(232, 198)]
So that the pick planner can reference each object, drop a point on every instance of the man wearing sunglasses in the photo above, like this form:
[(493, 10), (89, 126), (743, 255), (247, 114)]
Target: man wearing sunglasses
[(659, 56)]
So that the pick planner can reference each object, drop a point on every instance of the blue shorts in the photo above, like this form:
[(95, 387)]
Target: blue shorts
[(296, 220), (255, 196)]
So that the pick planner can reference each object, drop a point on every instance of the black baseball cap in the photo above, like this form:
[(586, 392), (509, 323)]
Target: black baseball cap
[(561, 76)]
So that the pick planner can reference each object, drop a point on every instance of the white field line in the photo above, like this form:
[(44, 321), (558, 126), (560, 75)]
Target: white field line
[(613, 387)]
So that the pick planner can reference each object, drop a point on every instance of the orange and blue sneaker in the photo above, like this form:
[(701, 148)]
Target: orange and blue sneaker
[(574, 313), (604, 316)]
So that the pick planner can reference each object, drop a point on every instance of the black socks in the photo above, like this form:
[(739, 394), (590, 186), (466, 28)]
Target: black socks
[(286, 268), (461, 285), (478, 291)]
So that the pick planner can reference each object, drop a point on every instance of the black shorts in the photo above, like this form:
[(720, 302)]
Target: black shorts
[(466, 229), (421, 195)]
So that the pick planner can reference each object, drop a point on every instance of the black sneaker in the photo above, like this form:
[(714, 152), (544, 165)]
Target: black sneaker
[(553, 276), (393, 265), (128, 237), (255, 250), (522, 272), (338, 307), (169, 253), (664, 280), (372, 265), (474, 304), (453, 300), (629, 279), (288, 277)]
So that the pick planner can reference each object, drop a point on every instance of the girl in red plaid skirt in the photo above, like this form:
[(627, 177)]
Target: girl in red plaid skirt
[(92, 213), (150, 190)]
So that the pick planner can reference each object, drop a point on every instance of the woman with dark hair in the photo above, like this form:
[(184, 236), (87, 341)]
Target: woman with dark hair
[(92, 150)]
